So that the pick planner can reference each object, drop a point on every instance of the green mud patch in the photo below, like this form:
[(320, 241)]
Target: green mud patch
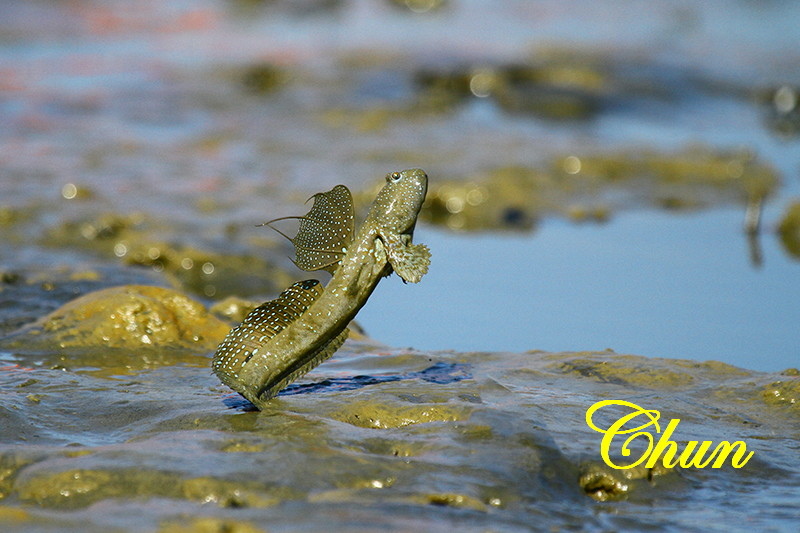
[(501, 442), (592, 187), (135, 240), (789, 230), (128, 318), (633, 371)]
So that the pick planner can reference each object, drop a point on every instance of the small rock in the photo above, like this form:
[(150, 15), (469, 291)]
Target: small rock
[(130, 316)]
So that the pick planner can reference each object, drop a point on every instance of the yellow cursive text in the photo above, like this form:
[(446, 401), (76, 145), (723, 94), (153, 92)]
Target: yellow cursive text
[(664, 449)]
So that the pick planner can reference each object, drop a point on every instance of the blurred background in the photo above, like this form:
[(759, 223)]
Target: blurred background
[(619, 175)]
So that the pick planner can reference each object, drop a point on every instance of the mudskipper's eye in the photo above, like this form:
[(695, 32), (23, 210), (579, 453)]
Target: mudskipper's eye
[(394, 176)]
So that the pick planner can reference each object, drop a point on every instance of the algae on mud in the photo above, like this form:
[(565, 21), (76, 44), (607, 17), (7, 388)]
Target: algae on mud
[(135, 240), (557, 90), (131, 317), (498, 445), (789, 230), (595, 186)]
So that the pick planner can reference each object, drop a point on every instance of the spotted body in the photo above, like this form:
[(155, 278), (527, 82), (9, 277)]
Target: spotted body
[(286, 337)]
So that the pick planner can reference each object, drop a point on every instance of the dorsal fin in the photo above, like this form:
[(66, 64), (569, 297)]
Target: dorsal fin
[(325, 233), (259, 326)]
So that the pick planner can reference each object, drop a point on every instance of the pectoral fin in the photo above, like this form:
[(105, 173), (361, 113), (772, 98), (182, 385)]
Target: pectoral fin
[(410, 261), (325, 232), (258, 327)]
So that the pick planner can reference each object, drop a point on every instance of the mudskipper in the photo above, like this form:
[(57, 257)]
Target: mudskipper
[(284, 338)]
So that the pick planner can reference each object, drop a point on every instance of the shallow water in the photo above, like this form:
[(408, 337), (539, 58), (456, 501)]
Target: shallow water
[(637, 285), (613, 148)]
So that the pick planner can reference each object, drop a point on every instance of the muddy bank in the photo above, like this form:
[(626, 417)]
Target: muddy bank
[(384, 436), (595, 187), (126, 317)]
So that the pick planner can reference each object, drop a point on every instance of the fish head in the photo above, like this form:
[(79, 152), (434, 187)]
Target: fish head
[(398, 203)]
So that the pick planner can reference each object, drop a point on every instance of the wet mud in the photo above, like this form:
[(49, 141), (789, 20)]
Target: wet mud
[(108, 401), (140, 146), (494, 439), (594, 187)]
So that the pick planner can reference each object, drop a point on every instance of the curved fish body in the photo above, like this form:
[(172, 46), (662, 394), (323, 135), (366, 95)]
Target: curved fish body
[(286, 337)]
